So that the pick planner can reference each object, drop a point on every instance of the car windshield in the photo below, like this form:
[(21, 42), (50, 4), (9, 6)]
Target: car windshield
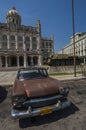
[(32, 73)]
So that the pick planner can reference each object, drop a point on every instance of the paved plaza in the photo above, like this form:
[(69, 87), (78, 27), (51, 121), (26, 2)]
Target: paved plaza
[(71, 118), (7, 78)]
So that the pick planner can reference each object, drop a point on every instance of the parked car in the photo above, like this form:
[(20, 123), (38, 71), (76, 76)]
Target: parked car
[(35, 93)]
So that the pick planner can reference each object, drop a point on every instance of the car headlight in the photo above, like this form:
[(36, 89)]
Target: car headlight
[(64, 91), (19, 98)]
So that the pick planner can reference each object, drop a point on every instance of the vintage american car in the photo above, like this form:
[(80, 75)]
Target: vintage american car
[(35, 93)]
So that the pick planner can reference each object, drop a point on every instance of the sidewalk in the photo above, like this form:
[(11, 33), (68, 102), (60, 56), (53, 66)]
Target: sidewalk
[(68, 77), (7, 78)]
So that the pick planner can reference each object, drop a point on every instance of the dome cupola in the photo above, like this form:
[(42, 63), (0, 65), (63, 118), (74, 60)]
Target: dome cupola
[(13, 17)]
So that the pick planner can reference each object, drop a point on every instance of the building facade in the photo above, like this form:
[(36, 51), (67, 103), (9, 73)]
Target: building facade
[(80, 46), (22, 45)]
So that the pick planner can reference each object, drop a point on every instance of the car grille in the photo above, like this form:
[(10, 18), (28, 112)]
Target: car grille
[(44, 101)]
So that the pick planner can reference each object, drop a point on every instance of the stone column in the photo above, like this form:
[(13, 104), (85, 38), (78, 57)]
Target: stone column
[(31, 43), (6, 64), (39, 60), (0, 62), (25, 60), (38, 43), (0, 41), (8, 41), (16, 41), (17, 61), (52, 38), (0, 44)]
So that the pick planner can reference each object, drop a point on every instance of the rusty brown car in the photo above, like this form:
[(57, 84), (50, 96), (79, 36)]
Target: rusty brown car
[(35, 93)]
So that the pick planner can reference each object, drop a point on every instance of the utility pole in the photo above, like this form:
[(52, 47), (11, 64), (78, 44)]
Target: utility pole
[(73, 28)]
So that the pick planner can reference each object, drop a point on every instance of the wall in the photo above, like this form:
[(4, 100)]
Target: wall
[(64, 69)]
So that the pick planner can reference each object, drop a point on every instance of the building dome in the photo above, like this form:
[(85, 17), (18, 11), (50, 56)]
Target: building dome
[(13, 16), (13, 11)]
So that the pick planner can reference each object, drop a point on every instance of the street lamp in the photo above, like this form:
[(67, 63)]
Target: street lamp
[(73, 28)]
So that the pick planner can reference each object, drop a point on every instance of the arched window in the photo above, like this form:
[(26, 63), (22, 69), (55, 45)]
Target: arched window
[(4, 37), (4, 42), (12, 60)]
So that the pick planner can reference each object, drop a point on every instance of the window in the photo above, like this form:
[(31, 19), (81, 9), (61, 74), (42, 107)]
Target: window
[(43, 44), (20, 38), (4, 42), (27, 38), (20, 42), (50, 50), (27, 41), (34, 39), (46, 44), (12, 45), (50, 44), (34, 46), (34, 43), (12, 42), (4, 45), (12, 38), (20, 45), (4, 37)]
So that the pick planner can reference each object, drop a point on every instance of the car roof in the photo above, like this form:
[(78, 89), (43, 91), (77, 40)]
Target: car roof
[(32, 68)]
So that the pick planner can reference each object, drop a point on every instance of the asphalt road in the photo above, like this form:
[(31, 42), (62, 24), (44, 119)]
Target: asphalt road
[(72, 118)]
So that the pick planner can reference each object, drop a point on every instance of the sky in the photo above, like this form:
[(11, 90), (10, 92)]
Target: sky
[(55, 17)]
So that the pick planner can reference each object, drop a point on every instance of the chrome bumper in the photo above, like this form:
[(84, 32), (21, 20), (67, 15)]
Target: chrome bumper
[(37, 111)]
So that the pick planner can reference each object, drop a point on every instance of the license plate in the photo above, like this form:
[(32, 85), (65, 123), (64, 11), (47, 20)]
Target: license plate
[(45, 110)]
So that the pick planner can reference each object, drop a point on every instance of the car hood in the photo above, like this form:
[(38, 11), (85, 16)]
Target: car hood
[(41, 87)]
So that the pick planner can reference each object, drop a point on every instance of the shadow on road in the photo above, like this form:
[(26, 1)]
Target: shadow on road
[(42, 120), (3, 94)]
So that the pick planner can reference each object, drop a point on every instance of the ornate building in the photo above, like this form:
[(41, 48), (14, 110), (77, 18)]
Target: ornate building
[(22, 45), (80, 46)]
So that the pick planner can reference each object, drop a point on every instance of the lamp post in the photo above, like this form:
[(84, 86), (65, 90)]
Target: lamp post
[(73, 28)]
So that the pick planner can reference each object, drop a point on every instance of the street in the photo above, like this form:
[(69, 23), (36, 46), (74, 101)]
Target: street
[(72, 118)]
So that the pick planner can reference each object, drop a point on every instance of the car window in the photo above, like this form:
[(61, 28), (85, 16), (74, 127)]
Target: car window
[(30, 74)]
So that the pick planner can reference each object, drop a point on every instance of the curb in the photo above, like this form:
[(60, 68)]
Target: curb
[(6, 85), (76, 79)]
